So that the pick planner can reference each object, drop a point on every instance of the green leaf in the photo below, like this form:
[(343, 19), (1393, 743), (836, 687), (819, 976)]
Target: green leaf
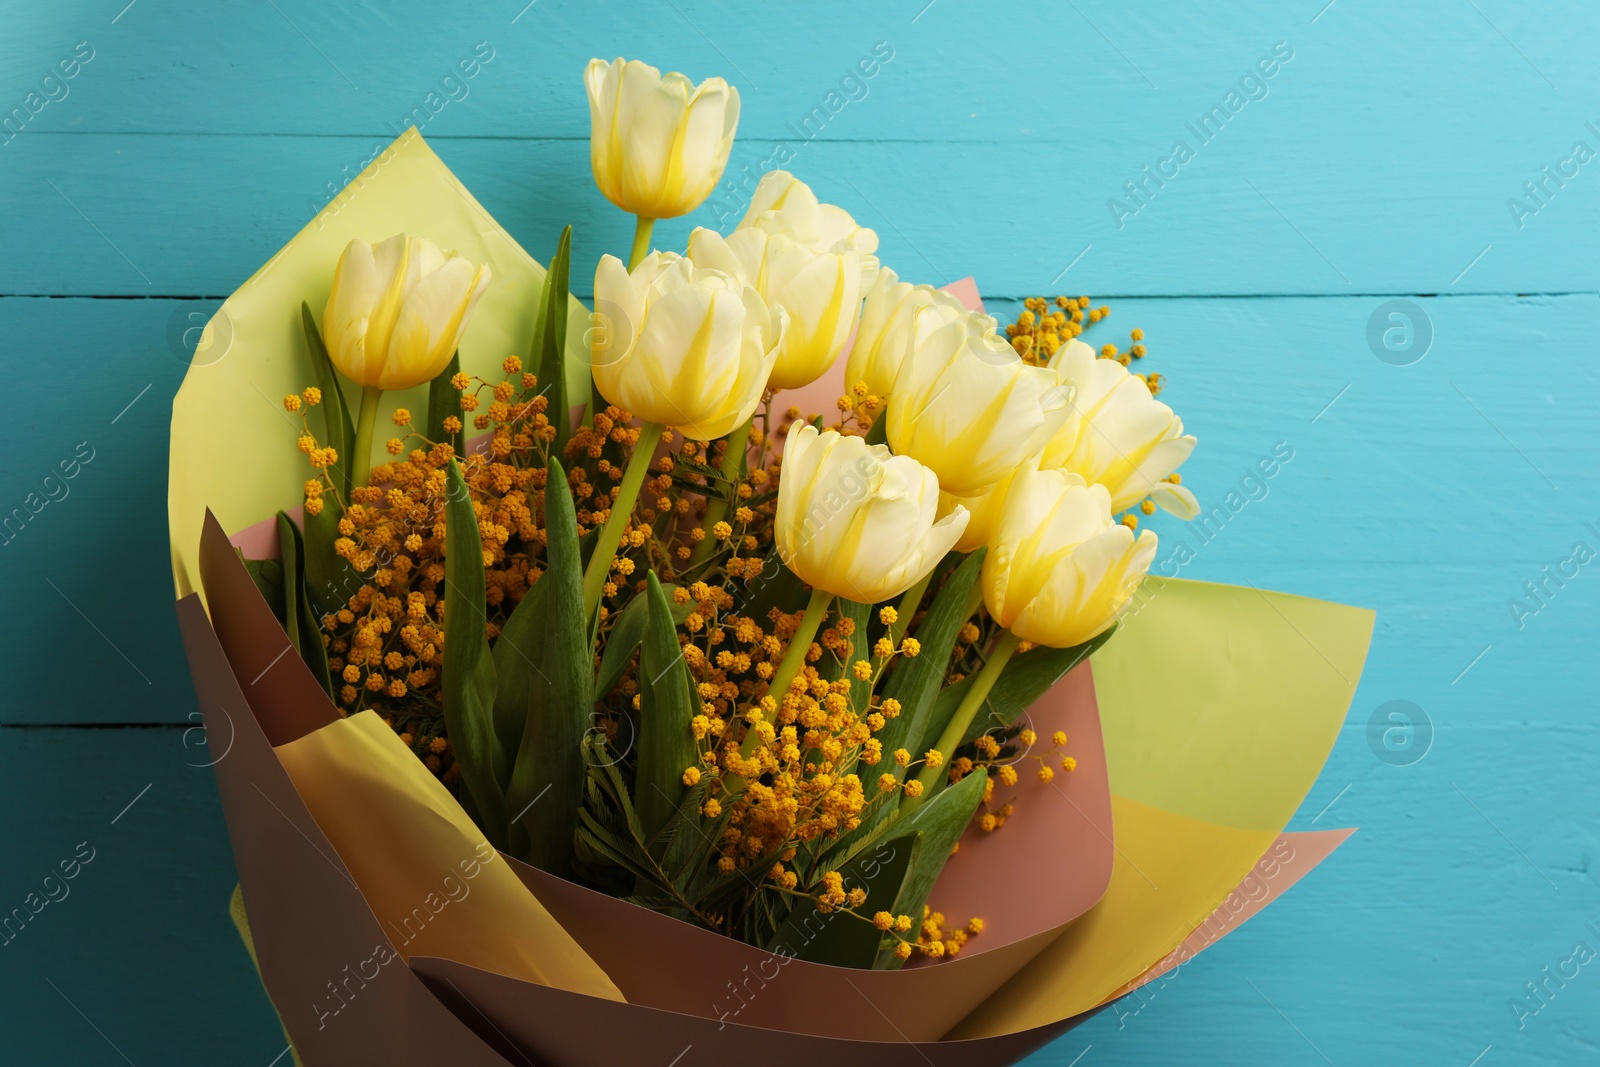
[(300, 622), (1023, 681), (878, 434), (915, 682), (516, 663), (546, 788), (550, 339), (268, 576), (626, 635), (941, 822), (468, 682), (337, 429), (667, 704), (330, 580), (443, 401), (775, 587), (842, 940)]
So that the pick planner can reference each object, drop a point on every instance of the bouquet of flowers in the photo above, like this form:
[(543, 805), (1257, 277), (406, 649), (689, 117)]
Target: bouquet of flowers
[(715, 659)]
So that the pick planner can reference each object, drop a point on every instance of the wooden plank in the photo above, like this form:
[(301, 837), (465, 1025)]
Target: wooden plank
[(138, 945), (92, 637), (162, 214)]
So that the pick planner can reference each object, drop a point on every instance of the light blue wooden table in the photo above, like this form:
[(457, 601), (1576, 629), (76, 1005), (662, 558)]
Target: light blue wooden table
[(1443, 459)]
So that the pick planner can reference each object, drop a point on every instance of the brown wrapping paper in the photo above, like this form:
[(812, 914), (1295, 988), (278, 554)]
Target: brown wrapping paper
[(558, 1028), (321, 944), (342, 992)]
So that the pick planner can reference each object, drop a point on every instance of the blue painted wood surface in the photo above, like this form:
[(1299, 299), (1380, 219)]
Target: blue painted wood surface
[(1386, 159)]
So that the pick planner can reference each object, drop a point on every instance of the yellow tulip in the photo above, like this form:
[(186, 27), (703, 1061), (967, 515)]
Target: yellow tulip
[(964, 404), (682, 345), (855, 520), (785, 204), (1119, 435), (885, 331), (983, 513), (397, 310), (658, 143), (1059, 570), (821, 291)]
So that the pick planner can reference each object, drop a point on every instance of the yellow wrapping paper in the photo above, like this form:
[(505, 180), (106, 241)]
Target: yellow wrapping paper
[(1169, 875), (232, 443), (1221, 702), (435, 884)]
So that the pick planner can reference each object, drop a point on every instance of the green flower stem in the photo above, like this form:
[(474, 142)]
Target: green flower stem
[(907, 608), (717, 510), (605, 549), (793, 659), (641, 240), (950, 740), (361, 462)]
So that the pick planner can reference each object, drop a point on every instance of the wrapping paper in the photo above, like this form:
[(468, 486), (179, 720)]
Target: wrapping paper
[(1169, 877), (1216, 704)]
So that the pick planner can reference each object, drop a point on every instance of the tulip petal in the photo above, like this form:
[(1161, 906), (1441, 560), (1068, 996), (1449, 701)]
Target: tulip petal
[(349, 307), (431, 323)]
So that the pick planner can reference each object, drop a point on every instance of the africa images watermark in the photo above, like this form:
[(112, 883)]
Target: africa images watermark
[(1253, 85), (53, 488), (1541, 990), (55, 889), (54, 86), (1255, 890), (1538, 191), (1553, 578), (804, 933), (1253, 486), (344, 987), (453, 87), (733, 195)]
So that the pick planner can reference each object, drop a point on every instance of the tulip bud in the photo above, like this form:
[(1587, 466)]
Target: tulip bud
[(983, 513), (885, 331), (785, 204), (682, 345), (1119, 435), (857, 521), (657, 142), (965, 405), (397, 310), (1059, 570), (821, 291)]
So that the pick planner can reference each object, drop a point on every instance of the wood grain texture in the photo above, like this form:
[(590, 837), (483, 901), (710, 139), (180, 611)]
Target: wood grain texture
[(1376, 164)]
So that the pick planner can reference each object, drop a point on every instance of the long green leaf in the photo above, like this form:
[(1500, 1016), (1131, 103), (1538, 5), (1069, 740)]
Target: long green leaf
[(667, 704), (337, 428), (844, 940), (330, 580), (941, 821), (915, 682), (444, 401), (268, 576), (468, 681), (516, 662), (626, 635), (547, 781), (550, 340), (300, 621)]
